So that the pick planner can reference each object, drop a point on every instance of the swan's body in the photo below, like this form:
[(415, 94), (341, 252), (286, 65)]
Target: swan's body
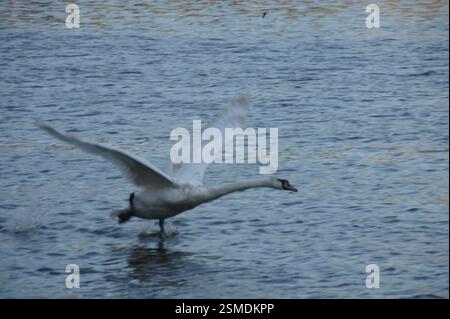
[(165, 195), (172, 201)]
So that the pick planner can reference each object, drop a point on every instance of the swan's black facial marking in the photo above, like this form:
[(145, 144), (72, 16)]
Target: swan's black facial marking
[(285, 185)]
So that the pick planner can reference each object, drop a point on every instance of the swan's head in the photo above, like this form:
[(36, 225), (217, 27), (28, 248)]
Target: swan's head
[(284, 184)]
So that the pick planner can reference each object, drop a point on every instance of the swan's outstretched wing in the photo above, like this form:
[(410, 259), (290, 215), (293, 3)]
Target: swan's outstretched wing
[(232, 116), (137, 170)]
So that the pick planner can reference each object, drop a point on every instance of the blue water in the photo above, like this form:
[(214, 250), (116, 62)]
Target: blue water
[(363, 133)]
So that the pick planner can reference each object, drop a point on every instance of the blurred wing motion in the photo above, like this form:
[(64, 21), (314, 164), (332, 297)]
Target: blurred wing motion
[(232, 116), (137, 170)]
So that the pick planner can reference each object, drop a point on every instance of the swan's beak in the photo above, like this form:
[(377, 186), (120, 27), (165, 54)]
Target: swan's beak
[(291, 188), (286, 186)]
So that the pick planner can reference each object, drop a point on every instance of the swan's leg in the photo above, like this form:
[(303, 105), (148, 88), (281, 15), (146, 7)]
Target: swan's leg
[(161, 227)]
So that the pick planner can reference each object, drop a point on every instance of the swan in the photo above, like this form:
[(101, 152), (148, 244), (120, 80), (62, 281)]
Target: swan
[(163, 195)]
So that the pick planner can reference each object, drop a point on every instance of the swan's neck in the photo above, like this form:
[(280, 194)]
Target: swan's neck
[(219, 191)]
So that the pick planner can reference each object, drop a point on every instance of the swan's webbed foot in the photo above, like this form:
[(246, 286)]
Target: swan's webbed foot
[(125, 215), (122, 216)]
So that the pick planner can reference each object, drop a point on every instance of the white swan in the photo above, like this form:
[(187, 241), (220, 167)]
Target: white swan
[(163, 195)]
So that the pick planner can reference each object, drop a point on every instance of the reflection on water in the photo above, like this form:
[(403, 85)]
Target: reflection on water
[(156, 264), (160, 271)]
